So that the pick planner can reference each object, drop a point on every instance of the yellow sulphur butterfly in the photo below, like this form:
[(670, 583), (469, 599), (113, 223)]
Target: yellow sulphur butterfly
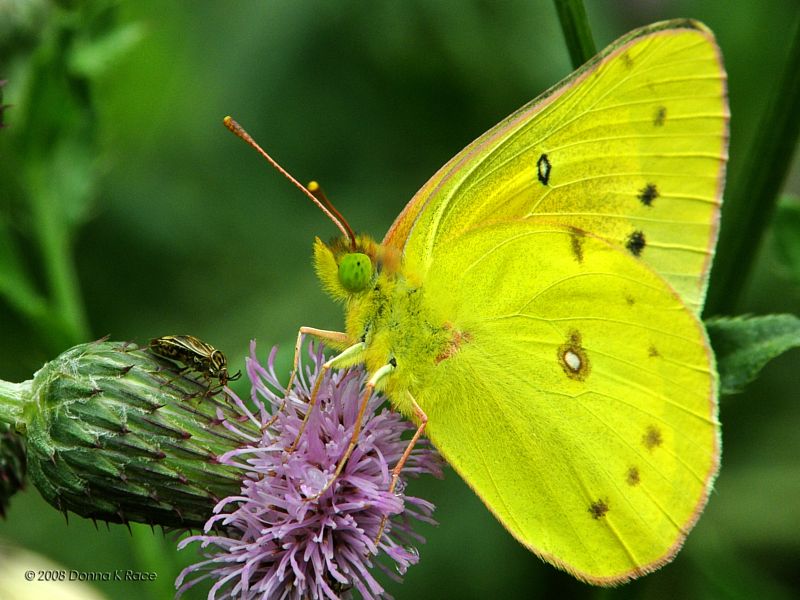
[(535, 307)]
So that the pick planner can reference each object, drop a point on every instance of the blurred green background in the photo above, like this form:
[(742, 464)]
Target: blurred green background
[(187, 231)]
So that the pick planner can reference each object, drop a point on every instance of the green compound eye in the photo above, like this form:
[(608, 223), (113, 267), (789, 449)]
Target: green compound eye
[(355, 272)]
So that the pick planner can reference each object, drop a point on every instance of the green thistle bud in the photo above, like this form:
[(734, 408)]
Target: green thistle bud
[(116, 433)]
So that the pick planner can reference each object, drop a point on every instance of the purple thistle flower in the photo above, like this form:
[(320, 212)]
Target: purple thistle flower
[(271, 541)]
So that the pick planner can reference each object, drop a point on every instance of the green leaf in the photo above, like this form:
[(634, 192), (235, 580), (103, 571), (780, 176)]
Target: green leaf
[(93, 58), (743, 345), (787, 235), (15, 284)]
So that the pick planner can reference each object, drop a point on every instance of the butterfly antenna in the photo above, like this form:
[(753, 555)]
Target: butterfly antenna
[(323, 203), (316, 189)]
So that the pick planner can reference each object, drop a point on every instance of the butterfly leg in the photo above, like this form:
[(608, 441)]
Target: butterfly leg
[(336, 337), (368, 390), (349, 356), (422, 419)]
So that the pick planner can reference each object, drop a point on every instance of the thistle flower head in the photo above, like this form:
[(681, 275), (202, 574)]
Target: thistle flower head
[(275, 539)]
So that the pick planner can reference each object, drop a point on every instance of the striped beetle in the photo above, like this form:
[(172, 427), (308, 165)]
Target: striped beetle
[(196, 355)]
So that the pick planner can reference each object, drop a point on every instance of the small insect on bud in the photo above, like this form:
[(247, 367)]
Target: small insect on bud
[(196, 355), (113, 434)]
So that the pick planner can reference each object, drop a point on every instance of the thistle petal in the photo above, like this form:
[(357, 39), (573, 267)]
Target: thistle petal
[(276, 542)]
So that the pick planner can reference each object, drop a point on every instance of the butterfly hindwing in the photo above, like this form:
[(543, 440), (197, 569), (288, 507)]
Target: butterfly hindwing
[(580, 403)]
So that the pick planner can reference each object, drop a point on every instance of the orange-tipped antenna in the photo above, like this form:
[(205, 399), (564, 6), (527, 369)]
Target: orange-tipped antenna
[(324, 205)]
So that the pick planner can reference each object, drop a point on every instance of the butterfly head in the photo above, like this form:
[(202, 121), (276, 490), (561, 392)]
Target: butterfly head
[(355, 272), (346, 269)]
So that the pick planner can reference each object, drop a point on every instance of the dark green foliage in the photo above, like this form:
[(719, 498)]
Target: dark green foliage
[(787, 236), (50, 164), (12, 465), (743, 345), (755, 190)]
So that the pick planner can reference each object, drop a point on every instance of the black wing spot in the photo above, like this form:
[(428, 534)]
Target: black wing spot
[(652, 437), (660, 116), (636, 243), (598, 508), (630, 300), (627, 60), (647, 194), (633, 477), (652, 351), (573, 358), (576, 244), (543, 169)]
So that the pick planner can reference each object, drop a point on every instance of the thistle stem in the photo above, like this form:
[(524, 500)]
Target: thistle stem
[(13, 397), (56, 251), (750, 203), (577, 33)]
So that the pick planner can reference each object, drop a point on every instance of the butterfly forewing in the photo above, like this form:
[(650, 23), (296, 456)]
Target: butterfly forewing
[(631, 148)]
